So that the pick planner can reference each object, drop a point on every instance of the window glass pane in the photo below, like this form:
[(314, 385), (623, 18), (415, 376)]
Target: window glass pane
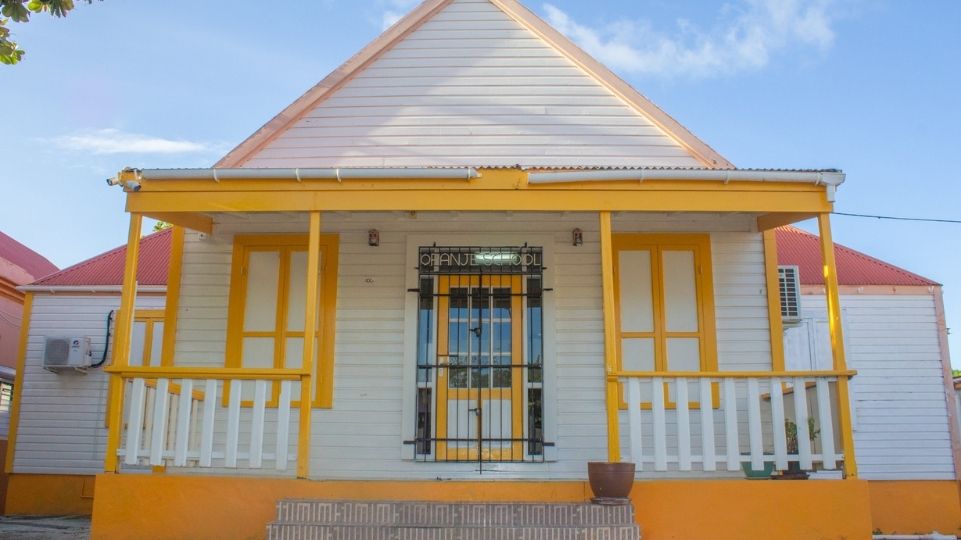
[(260, 312), (683, 354), (157, 346), (297, 290), (637, 354), (634, 280), (258, 352), (137, 343), (294, 358), (680, 291)]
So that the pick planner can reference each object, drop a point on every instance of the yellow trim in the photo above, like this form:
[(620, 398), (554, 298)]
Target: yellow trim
[(446, 393), (324, 322), (310, 332), (847, 373), (611, 361), (506, 189), (174, 271), (767, 222), (121, 346), (776, 325), (268, 374), (197, 222), (700, 246), (18, 382), (837, 342)]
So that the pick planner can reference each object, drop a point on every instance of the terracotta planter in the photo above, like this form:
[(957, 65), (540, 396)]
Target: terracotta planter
[(610, 480)]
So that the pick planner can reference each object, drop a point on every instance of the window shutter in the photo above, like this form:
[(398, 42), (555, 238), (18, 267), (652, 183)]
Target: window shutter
[(789, 286)]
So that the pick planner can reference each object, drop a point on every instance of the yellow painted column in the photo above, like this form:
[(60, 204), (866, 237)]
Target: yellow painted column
[(773, 301), (310, 344), (172, 303), (837, 342), (18, 382), (610, 347), (121, 343)]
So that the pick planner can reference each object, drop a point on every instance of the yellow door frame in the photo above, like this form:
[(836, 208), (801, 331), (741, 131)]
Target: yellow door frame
[(446, 394)]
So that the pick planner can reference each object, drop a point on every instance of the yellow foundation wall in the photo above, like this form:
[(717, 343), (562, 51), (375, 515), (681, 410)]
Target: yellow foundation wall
[(49, 494), (908, 507), (170, 506), (742, 509)]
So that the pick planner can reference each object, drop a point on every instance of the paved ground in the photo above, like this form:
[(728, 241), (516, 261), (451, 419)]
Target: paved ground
[(44, 528)]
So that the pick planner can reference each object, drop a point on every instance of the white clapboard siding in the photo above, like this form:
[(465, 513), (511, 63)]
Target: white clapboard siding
[(61, 427), (471, 86), (361, 437), (899, 392)]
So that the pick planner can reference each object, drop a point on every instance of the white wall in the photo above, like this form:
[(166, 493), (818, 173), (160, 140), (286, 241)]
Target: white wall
[(361, 436), (472, 87), (61, 428), (900, 411)]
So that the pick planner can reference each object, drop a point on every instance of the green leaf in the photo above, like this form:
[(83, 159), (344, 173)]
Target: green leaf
[(16, 11)]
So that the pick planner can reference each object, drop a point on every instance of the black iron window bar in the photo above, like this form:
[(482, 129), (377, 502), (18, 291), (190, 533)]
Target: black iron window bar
[(480, 367)]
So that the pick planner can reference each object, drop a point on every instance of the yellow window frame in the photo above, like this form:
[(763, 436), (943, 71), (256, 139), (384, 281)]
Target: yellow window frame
[(323, 370), (656, 244), (150, 318)]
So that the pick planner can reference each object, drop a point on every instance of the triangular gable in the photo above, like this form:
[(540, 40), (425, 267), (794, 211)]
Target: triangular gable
[(472, 83)]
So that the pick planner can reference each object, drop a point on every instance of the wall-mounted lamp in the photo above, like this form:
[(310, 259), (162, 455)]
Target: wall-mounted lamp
[(578, 236), (373, 238)]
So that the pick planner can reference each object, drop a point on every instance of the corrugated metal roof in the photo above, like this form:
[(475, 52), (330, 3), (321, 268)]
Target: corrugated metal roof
[(801, 248), (29, 260), (107, 268)]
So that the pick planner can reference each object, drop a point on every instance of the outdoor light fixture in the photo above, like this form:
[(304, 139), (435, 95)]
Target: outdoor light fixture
[(373, 238), (578, 236)]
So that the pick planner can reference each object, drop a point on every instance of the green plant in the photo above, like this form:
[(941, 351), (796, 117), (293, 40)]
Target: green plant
[(790, 430)]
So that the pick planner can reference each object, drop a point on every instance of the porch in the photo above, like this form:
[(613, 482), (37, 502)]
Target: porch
[(392, 394)]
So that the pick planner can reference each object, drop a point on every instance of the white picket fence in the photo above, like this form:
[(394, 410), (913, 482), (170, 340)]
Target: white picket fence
[(694, 422), (181, 422)]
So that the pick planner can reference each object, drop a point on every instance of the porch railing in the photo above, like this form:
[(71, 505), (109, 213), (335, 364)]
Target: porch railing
[(213, 418), (710, 421)]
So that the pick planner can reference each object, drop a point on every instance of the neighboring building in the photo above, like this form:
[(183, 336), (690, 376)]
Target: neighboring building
[(19, 265), (464, 265), (60, 434)]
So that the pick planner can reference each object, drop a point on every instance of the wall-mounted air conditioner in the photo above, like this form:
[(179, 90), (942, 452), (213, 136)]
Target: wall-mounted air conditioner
[(67, 353), (789, 287)]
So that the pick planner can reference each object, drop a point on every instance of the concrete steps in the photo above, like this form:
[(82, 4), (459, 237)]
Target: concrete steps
[(390, 520)]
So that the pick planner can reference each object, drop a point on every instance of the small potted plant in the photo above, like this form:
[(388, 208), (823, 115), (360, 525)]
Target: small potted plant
[(794, 471), (610, 482)]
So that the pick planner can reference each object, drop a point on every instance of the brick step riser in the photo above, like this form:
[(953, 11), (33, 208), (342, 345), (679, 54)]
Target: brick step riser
[(453, 515), (336, 532)]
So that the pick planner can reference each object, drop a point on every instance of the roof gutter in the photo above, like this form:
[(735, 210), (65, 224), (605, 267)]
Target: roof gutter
[(53, 289), (131, 178), (830, 179)]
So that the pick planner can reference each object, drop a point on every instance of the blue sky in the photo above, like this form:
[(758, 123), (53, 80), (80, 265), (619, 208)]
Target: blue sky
[(867, 86)]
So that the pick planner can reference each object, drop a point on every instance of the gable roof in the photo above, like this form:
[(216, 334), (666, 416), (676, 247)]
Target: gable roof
[(33, 264), (451, 23), (107, 268), (803, 249)]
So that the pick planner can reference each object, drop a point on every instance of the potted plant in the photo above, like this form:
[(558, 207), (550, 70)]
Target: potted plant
[(794, 471), (610, 482)]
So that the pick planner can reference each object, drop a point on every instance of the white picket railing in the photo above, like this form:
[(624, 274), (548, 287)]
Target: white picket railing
[(693, 421), (201, 418)]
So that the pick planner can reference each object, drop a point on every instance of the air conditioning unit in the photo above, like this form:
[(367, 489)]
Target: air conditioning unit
[(789, 287), (67, 353)]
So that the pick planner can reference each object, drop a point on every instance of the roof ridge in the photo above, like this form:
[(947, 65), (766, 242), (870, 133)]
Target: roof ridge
[(98, 258)]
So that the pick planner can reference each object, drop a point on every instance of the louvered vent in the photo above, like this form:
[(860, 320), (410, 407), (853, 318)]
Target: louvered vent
[(789, 285)]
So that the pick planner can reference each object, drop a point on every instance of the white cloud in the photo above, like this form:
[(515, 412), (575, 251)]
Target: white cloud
[(745, 38), (114, 141), (396, 9)]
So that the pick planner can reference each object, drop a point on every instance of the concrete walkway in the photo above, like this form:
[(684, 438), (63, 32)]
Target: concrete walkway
[(44, 528)]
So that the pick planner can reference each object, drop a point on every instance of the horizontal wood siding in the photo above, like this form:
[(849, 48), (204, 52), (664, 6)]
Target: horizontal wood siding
[(901, 420), (472, 87), (61, 429), (361, 437)]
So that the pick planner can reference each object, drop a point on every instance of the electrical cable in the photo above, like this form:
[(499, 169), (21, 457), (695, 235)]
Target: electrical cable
[(106, 341), (898, 218)]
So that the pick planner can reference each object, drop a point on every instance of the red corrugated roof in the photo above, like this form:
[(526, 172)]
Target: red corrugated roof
[(801, 248), (32, 262), (107, 268)]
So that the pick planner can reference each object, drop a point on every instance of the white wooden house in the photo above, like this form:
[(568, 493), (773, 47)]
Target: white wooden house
[(472, 260)]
